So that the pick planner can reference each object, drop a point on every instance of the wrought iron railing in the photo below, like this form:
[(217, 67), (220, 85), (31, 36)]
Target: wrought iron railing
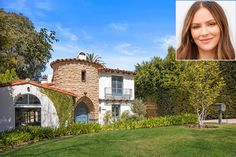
[(117, 93)]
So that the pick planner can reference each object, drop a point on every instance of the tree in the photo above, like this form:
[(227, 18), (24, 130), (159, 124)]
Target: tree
[(170, 100), (138, 108), (8, 76), (147, 78), (203, 82), (94, 58), (107, 117), (23, 48), (157, 80)]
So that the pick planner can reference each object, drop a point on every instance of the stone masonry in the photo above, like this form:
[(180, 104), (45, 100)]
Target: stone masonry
[(67, 75)]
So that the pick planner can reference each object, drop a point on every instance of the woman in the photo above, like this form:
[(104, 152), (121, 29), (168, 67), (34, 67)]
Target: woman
[(205, 33)]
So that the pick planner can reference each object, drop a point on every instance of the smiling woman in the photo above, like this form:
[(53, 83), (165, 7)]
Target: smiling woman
[(205, 34)]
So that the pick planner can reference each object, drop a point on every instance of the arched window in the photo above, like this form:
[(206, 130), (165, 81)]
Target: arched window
[(27, 99), (27, 110)]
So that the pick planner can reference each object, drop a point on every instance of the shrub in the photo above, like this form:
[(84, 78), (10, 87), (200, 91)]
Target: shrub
[(95, 127), (24, 134), (125, 115), (138, 108), (107, 117), (16, 138), (153, 122)]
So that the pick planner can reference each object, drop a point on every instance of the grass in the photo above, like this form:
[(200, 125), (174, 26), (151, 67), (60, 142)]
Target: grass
[(175, 141)]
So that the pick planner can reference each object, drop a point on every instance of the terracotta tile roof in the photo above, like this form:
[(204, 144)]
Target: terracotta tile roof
[(108, 70), (47, 86), (98, 65)]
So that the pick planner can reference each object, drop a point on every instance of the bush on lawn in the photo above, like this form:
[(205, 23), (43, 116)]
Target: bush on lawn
[(153, 122), (25, 134)]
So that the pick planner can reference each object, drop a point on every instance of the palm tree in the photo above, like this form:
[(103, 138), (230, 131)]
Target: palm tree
[(94, 58)]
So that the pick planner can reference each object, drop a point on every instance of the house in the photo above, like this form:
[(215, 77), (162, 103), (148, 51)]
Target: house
[(93, 88), (22, 102)]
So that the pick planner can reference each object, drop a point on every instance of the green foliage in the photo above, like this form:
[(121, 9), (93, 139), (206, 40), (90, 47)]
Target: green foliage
[(158, 80), (26, 134), (107, 117), (203, 82), (174, 141), (228, 93), (147, 78), (138, 108), (172, 85), (22, 47), (63, 104), (16, 138), (94, 58), (8, 76), (153, 122), (125, 115)]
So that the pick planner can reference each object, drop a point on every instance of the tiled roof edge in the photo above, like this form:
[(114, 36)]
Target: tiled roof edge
[(76, 59), (21, 82), (109, 70)]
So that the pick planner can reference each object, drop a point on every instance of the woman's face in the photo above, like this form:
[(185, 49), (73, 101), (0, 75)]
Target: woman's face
[(205, 31)]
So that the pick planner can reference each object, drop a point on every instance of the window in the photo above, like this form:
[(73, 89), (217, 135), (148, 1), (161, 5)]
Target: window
[(83, 76), (117, 85), (27, 110), (115, 111), (27, 99), (27, 116)]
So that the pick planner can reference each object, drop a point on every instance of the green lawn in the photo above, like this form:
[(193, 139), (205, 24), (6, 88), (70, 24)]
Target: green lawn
[(176, 141)]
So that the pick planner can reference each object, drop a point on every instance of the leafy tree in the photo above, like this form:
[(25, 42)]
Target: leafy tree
[(157, 80), (170, 100), (94, 58), (138, 108), (162, 81), (8, 76), (147, 78), (107, 117), (203, 82), (22, 47)]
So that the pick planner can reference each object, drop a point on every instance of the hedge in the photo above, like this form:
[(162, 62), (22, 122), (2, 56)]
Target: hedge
[(32, 133)]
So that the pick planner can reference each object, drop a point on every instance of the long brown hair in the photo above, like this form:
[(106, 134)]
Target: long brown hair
[(189, 50)]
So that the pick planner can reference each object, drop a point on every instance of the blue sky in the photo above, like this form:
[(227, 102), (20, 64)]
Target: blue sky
[(122, 32)]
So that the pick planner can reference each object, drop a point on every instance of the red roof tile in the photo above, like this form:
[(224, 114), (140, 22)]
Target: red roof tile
[(77, 60), (108, 70), (100, 67), (47, 86)]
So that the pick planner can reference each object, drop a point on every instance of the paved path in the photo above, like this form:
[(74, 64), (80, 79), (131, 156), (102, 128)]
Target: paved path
[(230, 121)]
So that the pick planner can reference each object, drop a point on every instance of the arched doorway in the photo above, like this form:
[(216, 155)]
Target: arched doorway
[(81, 113)]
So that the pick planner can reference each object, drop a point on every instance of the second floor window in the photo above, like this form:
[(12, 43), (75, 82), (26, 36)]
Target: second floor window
[(83, 76), (117, 85)]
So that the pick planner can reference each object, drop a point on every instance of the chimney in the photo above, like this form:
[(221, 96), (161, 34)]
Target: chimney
[(82, 56)]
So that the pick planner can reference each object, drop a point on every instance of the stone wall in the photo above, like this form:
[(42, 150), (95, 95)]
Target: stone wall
[(67, 75)]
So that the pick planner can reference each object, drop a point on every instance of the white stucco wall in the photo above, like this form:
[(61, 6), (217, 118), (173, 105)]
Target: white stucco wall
[(8, 96), (108, 107), (105, 81)]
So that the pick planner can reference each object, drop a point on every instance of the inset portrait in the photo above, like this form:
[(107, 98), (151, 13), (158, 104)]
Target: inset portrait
[(205, 30)]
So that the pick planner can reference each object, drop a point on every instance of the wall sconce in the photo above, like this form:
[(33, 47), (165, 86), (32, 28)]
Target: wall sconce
[(28, 89)]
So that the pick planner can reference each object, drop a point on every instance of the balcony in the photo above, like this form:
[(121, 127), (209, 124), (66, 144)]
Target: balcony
[(117, 93)]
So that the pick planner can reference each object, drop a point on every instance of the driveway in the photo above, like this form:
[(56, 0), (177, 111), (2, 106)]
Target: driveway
[(229, 121)]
